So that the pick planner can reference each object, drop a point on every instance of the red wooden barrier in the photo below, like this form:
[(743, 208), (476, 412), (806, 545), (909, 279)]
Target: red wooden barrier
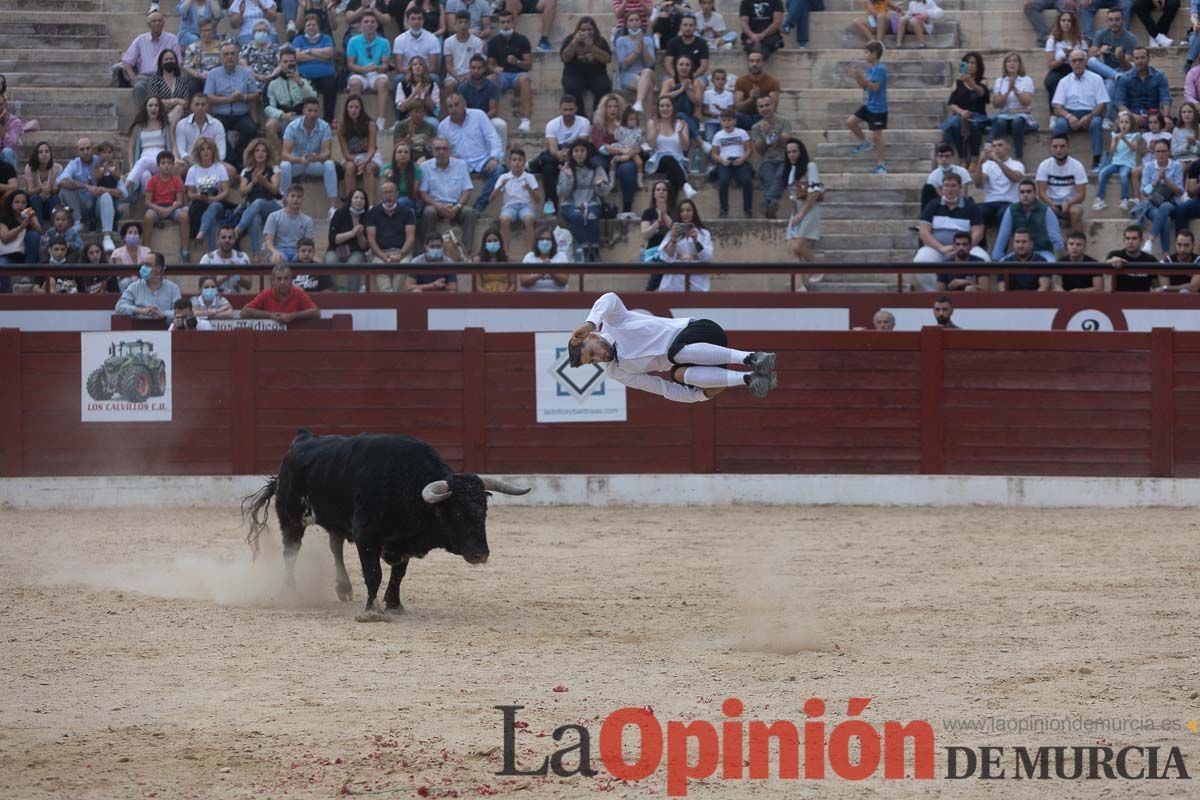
[(935, 401)]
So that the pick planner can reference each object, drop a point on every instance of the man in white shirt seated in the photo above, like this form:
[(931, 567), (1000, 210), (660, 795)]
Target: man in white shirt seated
[(1079, 103)]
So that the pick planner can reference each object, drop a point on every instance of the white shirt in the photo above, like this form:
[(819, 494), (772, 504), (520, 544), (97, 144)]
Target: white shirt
[(1061, 180), (687, 247), (1012, 105), (235, 257), (206, 180), (730, 144), (935, 177), (406, 46), (998, 187), (557, 130), (716, 100), (187, 132), (516, 188), (1063, 49), (1079, 93), (641, 341), (458, 54), (544, 284), (930, 9)]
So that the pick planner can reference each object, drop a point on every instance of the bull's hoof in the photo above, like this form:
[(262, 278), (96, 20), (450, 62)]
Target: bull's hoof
[(374, 615), (344, 593), (394, 610)]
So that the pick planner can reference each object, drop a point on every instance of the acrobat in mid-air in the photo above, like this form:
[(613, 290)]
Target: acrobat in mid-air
[(631, 345)]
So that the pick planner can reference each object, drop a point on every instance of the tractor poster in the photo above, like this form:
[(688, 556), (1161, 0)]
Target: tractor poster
[(126, 376)]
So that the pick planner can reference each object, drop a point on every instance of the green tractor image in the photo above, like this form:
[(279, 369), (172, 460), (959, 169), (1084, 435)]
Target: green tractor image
[(132, 370)]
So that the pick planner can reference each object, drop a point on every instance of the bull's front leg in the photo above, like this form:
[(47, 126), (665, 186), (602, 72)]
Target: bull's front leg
[(293, 535), (391, 597), (345, 591), (368, 556)]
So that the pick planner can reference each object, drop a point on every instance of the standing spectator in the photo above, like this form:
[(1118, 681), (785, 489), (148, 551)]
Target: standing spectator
[(1186, 257), (79, 190), (585, 55), (544, 254), (687, 93), (403, 171), (261, 55), (1143, 90), (457, 52), (479, 12), (286, 95), (581, 192), (391, 235), (367, 56), (1159, 29), (473, 140), (434, 255), (194, 127), (283, 301), (806, 191), (1074, 281), (761, 21), (356, 140), (1062, 183), (1064, 39), (140, 59), (416, 41), (919, 18), (260, 182), (1012, 94), (1132, 253), (768, 136), (560, 133), (1184, 138), (20, 230), (11, 128), (968, 109), (245, 14), (509, 60), (149, 135), (998, 173), (209, 304), (419, 92), (166, 199), (314, 57), (483, 95), (1079, 102), (151, 296), (547, 8), (207, 183), (203, 55), (731, 153), (1023, 253), (234, 94), (445, 188), (689, 44), (42, 174), (131, 251), (874, 111), (668, 139), (635, 61), (617, 136), (688, 242), (520, 192), (1123, 153), (492, 252), (940, 220), (348, 242), (287, 226), (1162, 185), (192, 14), (1110, 51), (308, 150), (173, 89), (1029, 214)]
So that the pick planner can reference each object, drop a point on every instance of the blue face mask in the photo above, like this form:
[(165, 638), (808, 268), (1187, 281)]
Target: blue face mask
[(209, 293), (262, 37), (492, 247), (434, 254), (544, 245), (144, 272)]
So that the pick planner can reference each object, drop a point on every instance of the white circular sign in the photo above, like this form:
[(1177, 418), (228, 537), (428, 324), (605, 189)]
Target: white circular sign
[(1089, 320)]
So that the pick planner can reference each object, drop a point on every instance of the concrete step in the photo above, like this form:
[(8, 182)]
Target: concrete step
[(49, 29)]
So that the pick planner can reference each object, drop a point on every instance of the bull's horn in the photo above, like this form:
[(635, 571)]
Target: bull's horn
[(436, 492), (503, 487)]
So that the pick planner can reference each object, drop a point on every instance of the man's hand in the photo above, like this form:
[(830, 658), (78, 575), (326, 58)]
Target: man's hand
[(582, 332)]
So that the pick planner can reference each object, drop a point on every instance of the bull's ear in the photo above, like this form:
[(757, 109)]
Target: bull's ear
[(504, 487), (436, 491)]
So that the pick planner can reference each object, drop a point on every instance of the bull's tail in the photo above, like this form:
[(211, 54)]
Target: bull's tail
[(255, 509)]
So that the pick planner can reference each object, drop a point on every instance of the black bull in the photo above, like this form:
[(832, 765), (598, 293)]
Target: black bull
[(393, 496)]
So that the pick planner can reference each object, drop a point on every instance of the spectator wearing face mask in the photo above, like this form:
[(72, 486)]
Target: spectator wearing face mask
[(151, 296), (544, 255), (210, 304), (434, 255), (132, 251)]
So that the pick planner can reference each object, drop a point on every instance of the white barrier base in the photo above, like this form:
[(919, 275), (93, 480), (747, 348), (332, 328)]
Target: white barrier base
[(84, 493)]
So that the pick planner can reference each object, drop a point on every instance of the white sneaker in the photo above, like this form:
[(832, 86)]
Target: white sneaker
[(705, 146), (627, 216), (1125, 205), (1107, 124), (1164, 40), (524, 126), (332, 210), (1148, 246), (108, 244), (637, 106), (1099, 205), (688, 191), (379, 123), (291, 27)]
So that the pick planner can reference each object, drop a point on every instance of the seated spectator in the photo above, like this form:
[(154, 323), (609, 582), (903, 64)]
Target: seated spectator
[(140, 60), (968, 109), (1062, 183), (315, 63), (585, 55), (1124, 152), (547, 8), (11, 128), (287, 226), (42, 174), (544, 253), (491, 251), (1143, 89), (391, 236), (509, 60), (286, 95), (943, 156), (245, 14), (20, 230), (998, 173), (348, 242), (806, 191), (458, 51), (940, 220), (1185, 255), (149, 135), (1187, 207), (482, 94), (434, 255), (1158, 29), (184, 320), (688, 242), (306, 254), (1110, 52), (1023, 253), (8, 177), (768, 136), (234, 93), (1162, 186), (419, 92), (717, 98), (227, 254), (668, 139), (687, 93), (688, 43), (260, 184), (283, 301), (877, 22), (204, 54), (1185, 138), (209, 303), (479, 12), (367, 57), (635, 54), (433, 16), (151, 296), (1079, 104), (261, 55), (193, 14), (80, 190), (1121, 260), (883, 321), (207, 185), (445, 189), (132, 250), (194, 127), (747, 90), (958, 282), (1012, 94), (1155, 132), (1074, 281), (63, 226), (731, 150), (761, 22), (919, 18), (617, 136), (561, 132), (664, 19), (308, 150), (56, 257), (325, 11), (356, 140), (581, 191), (520, 192), (1034, 216), (407, 175), (656, 222), (418, 132), (1064, 39), (416, 42), (93, 254), (475, 142)]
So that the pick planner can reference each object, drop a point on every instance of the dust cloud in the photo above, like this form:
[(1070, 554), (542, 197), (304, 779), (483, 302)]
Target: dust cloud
[(771, 616)]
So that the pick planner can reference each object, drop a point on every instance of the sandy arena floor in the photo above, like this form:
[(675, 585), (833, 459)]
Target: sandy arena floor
[(145, 656)]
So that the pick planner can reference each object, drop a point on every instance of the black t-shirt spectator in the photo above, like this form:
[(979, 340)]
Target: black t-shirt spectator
[(651, 215), (964, 98), (946, 278), (1193, 170), (697, 51), (257, 190), (311, 283), (480, 98), (389, 230), (760, 12), (499, 48), (1022, 283), (7, 173), (1074, 280), (343, 222), (1123, 281), (585, 69), (1182, 278)]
